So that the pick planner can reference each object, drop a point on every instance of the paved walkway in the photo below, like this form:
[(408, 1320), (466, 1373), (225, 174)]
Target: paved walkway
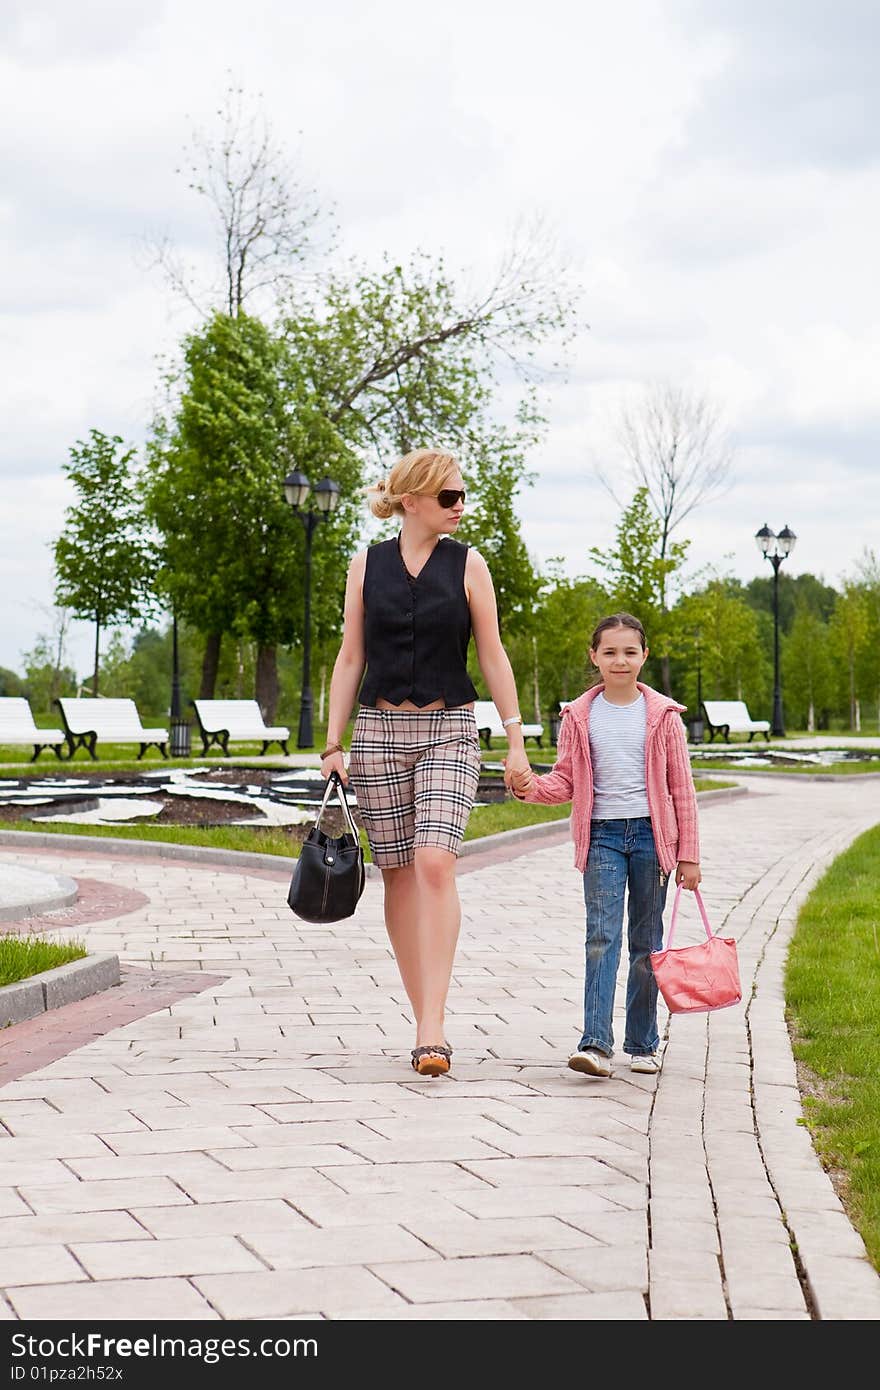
[(235, 1132)]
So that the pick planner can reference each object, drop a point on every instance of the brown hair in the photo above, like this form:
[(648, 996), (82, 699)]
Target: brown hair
[(618, 620), (420, 471)]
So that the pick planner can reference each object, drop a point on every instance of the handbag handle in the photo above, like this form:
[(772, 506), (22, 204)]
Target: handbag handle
[(700, 905), (334, 782)]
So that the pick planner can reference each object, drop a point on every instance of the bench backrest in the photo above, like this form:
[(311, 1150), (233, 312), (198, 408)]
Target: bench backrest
[(487, 716), (233, 715), (105, 717), (727, 712), (15, 716)]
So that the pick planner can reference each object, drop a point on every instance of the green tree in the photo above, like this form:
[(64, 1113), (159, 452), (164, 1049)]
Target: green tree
[(46, 679), (716, 627), (232, 552), (10, 683), (104, 561), (848, 632), (807, 670), (638, 578), (675, 448)]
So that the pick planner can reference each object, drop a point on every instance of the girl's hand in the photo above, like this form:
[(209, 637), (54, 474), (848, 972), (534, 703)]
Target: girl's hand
[(334, 762), (517, 773), (688, 875)]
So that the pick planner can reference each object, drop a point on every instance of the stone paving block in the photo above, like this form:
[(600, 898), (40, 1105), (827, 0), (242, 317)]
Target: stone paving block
[(623, 1306), (844, 1289), (531, 1172), (179, 1167), (138, 1300), (103, 1196), (603, 1269), (184, 1256), (357, 1245), (24, 1170), (477, 1310), (675, 1299), (38, 1264), (366, 1209), (508, 1276), (280, 1293), (63, 1230), (671, 1232), (498, 1236)]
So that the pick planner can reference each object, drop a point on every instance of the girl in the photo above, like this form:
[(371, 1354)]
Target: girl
[(622, 761), (411, 604)]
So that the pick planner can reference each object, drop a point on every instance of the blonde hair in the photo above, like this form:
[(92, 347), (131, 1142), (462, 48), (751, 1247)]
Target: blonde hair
[(420, 471)]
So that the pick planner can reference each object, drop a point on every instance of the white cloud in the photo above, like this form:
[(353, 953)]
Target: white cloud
[(709, 168)]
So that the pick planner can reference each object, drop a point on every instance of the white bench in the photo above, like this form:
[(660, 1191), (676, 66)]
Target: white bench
[(489, 724), (17, 726), (728, 717), (115, 721), (222, 720)]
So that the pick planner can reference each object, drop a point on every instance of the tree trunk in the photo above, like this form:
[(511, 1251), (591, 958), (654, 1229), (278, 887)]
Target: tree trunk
[(322, 693), (267, 682), (536, 689), (665, 680), (239, 680), (210, 665), (97, 653), (811, 719)]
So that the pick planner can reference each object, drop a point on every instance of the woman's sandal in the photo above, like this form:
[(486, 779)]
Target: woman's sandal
[(432, 1061)]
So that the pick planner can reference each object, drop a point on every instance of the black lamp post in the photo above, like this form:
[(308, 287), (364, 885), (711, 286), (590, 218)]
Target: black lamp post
[(180, 743), (296, 491), (696, 726), (776, 549)]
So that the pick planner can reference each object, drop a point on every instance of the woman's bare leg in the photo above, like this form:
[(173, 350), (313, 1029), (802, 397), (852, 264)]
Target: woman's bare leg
[(437, 921), (401, 913)]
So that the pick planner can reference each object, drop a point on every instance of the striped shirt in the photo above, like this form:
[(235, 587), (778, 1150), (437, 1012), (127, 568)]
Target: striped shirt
[(617, 752)]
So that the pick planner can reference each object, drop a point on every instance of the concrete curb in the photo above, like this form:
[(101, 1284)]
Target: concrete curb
[(63, 892), (53, 988)]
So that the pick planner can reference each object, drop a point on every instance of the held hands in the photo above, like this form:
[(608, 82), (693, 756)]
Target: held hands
[(517, 773), (688, 875)]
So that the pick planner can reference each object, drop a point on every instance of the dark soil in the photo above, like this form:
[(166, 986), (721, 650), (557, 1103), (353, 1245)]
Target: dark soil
[(195, 811)]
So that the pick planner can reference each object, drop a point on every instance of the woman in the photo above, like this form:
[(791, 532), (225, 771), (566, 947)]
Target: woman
[(411, 604)]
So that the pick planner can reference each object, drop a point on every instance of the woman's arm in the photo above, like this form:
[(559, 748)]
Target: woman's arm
[(348, 667), (494, 661)]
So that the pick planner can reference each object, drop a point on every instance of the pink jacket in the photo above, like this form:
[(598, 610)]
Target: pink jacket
[(672, 801)]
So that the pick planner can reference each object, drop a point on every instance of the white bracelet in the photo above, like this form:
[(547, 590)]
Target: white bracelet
[(514, 719)]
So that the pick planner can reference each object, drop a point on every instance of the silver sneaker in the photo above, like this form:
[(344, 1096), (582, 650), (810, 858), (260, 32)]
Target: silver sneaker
[(649, 1064), (591, 1062)]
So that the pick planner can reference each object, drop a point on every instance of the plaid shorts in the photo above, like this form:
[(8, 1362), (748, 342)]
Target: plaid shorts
[(415, 776)]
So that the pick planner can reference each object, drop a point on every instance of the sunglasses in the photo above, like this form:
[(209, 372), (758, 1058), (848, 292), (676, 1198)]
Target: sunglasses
[(449, 496)]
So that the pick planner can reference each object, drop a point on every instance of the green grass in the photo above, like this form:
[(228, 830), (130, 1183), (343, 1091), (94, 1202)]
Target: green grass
[(833, 1008), (847, 769), (23, 956)]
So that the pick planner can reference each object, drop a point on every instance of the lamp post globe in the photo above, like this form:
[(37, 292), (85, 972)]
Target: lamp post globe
[(297, 490), (776, 548)]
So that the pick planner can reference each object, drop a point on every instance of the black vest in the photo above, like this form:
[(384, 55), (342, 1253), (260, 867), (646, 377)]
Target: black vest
[(416, 630)]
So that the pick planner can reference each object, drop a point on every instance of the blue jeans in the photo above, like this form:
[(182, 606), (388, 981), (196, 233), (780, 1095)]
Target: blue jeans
[(622, 858)]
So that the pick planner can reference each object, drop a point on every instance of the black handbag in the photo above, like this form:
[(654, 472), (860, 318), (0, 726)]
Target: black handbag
[(329, 876)]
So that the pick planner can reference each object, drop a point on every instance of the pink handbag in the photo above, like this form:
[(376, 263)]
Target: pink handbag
[(695, 979)]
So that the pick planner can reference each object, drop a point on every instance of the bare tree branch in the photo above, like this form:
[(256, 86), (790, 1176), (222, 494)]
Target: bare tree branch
[(267, 218), (675, 447)]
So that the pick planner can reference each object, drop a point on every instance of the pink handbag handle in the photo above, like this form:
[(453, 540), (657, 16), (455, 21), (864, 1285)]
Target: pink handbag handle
[(696, 893)]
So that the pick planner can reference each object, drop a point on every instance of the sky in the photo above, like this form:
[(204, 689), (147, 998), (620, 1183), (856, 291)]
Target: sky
[(707, 171)]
